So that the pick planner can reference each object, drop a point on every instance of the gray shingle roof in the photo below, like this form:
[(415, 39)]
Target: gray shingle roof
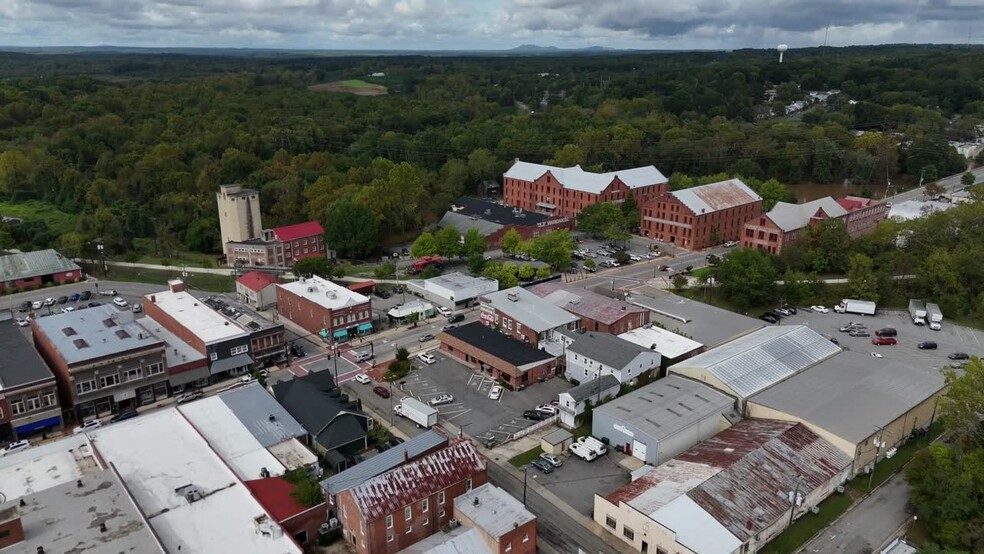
[(268, 421), (20, 364), (592, 387), (716, 196), (756, 361), (790, 217), (605, 348), (33, 264)]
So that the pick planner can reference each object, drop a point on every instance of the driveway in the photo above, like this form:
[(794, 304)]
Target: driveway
[(576, 482)]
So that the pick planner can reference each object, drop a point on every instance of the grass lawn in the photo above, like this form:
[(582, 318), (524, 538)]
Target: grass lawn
[(200, 281), (808, 525), (521, 460), (58, 221), (355, 83)]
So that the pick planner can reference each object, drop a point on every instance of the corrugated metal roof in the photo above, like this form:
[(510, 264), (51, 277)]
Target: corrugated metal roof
[(756, 361), (749, 495), (383, 462), (575, 178), (849, 394), (790, 217), (268, 421), (386, 493), (32, 264), (716, 196)]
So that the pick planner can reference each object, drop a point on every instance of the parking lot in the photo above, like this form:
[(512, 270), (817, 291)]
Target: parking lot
[(472, 409), (576, 482), (952, 338)]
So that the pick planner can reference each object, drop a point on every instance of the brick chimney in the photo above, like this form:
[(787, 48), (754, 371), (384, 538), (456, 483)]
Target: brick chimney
[(176, 285)]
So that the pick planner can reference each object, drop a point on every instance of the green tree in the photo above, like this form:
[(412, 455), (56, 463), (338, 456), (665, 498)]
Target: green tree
[(351, 230), (679, 181), (968, 179), (386, 270), (597, 219), (448, 242), (425, 245), (315, 265), (679, 281), (506, 274), (630, 213), (553, 248), (772, 192), (861, 281), (474, 243), (476, 263), (567, 155), (511, 240), (938, 277), (543, 272), (747, 277), (828, 244), (590, 263), (526, 272), (795, 289)]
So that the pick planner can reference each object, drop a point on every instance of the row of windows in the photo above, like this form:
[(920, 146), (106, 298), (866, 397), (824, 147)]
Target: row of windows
[(26, 404), (349, 318), (114, 379)]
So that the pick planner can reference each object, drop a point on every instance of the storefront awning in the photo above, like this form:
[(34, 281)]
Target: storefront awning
[(364, 327), (341, 334), (189, 376), (41, 424), (226, 364), (546, 205)]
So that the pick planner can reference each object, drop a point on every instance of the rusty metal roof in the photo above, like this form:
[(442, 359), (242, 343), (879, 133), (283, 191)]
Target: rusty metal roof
[(763, 460), (716, 196), (391, 491)]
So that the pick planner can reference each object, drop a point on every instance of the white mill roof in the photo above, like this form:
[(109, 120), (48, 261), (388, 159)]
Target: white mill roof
[(716, 196), (790, 217), (575, 178)]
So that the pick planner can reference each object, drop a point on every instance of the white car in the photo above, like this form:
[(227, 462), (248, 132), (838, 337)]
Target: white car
[(246, 378), (37, 305), (731, 244), (635, 258), (107, 292), (876, 355), (819, 309), (441, 400), (67, 309), (120, 302), (22, 322), (495, 393), (363, 378), (547, 409), (427, 358), (16, 446), (444, 311), (49, 301), (86, 426)]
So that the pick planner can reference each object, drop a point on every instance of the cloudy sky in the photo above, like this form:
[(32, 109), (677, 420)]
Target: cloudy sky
[(487, 24)]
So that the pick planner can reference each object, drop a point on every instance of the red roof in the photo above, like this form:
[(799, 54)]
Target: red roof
[(274, 494), (851, 203), (358, 287), (257, 280), (299, 231)]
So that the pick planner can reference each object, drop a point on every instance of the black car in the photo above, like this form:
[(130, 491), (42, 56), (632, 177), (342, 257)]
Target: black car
[(92, 304), (395, 441), (887, 332), (124, 415), (959, 356), (297, 351), (542, 465), (456, 318), (25, 306), (791, 308), (769, 317), (534, 415), (926, 345), (85, 295), (62, 299)]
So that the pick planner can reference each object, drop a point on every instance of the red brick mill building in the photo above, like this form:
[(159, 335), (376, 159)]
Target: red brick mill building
[(701, 217)]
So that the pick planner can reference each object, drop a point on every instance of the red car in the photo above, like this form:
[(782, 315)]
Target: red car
[(381, 391), (883, 341)]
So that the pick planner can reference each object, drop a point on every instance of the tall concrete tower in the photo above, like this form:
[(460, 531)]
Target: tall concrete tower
[(239, 213)]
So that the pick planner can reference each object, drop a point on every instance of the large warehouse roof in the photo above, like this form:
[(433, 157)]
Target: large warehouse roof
[(25, 265), (575, 178), (761, 359), (706, 324), (662, 408), (848, 395)]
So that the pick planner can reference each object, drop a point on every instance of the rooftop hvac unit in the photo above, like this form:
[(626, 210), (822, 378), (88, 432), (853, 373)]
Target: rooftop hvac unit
[(512, 297), (311, 289)]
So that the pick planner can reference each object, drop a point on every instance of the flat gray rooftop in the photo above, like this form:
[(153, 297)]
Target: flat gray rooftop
[(850, 393), (95, 333), (20, 364), (67, 518), (706, 324)]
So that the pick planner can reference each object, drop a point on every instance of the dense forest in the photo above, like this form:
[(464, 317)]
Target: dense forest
[(130, 148)]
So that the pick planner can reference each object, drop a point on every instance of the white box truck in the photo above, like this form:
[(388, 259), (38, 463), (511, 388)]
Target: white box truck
[(935, 316), (917, 310), (417, 412), (583, 451), (851, 306)]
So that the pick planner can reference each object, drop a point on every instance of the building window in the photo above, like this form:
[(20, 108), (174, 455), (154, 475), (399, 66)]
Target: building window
[(213, 356), (468, 484), (424, 505), (131, 374), (508, 547), (407, 513), (17, 407), (628, 533), (441, 514), (389, 538), (409, 528), (610, 521), (236, 350), (83, 387), (526, 537), (109, 380), (389, 521), (440, 498)]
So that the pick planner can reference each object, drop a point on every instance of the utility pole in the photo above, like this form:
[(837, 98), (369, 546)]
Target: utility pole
[(795, 500), (525, 471)]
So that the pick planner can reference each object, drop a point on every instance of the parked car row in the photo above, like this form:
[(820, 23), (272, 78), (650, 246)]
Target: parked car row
[(541, 412)]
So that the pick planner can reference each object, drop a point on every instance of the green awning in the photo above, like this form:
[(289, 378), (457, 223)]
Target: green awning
[(364, 327), (341, 334)]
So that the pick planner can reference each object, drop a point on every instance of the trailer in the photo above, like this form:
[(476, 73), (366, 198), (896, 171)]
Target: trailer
[(934, 316), (851, 306), (917, 311), (417, 412)]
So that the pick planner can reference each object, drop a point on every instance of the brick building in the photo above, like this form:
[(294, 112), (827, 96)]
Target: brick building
[(300, 521), (785, 223), (597, 312), (32, 270), (493, 220), (322, 307), (396, 509), (701, 217), (28, 392), (279, 247), (863, 214), (566, 191), (102, 360), (518, 364), (525, 317), (258, 289)]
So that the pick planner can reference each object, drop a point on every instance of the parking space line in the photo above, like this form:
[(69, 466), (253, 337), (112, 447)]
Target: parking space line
[(463, 412)]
